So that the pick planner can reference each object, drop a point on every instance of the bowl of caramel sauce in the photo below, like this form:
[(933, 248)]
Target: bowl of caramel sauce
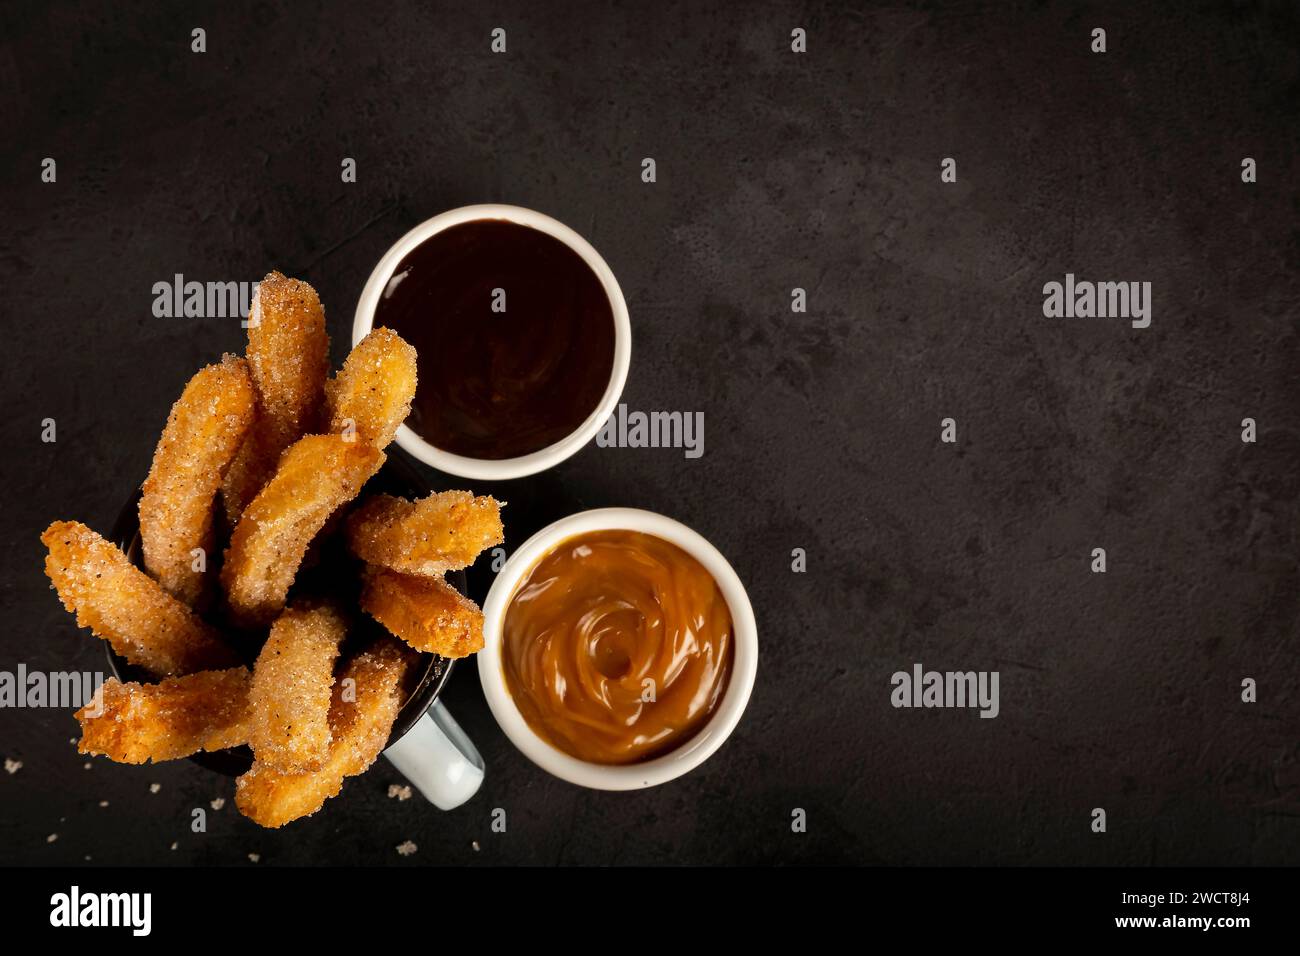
[(621, 649), (521, 332)]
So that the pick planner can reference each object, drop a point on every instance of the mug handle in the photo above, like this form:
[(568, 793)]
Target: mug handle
[(438, 757)]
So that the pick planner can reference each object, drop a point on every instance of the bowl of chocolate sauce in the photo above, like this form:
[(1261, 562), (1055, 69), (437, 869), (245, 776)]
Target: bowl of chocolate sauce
[(522, 336)]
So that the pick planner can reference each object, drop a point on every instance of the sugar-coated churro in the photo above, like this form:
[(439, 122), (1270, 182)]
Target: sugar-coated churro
[(124, 606), (427, 613), (205, 429), (136, 723), (365, 703), (372, 394), (288, 356), (290, 695), (315, 476), (444, 532)]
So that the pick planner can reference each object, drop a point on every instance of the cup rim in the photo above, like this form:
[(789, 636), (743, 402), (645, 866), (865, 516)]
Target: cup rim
[(659, 769), (483, 469)]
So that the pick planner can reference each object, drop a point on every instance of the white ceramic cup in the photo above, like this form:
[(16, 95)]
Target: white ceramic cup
[(660, 769), (482, 468)]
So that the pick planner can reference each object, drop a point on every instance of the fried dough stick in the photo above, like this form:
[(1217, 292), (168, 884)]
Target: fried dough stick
[(360, 727), (166, 721), (315, 476), (205, 429), (372, 393), (427, 613), (124, 606), (444, 532), (290, 695), (288, 356)]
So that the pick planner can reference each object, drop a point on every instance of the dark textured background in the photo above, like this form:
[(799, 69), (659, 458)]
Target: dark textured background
[(775, 171)]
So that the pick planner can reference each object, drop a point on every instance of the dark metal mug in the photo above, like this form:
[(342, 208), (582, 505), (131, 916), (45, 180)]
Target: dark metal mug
[(426, 744)]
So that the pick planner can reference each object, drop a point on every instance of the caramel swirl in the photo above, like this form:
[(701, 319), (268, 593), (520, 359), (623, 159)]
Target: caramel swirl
[(617, 647)]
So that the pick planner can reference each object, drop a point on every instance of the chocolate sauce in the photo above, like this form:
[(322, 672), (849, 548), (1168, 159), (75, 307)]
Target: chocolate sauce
[(504, 382)]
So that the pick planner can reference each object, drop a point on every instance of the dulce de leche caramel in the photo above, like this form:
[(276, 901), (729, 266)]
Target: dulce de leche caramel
[(617, 647)]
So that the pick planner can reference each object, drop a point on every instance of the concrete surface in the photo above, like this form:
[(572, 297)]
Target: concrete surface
[(774, 171)]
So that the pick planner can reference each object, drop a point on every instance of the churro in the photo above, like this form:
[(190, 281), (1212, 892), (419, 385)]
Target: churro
[(121, 604), (288, 356), (136, 723), (205, 429), (315, 476), (444, 532), (365, 703), (290, 694), (287, 448), (372, 393), (427, 613)]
